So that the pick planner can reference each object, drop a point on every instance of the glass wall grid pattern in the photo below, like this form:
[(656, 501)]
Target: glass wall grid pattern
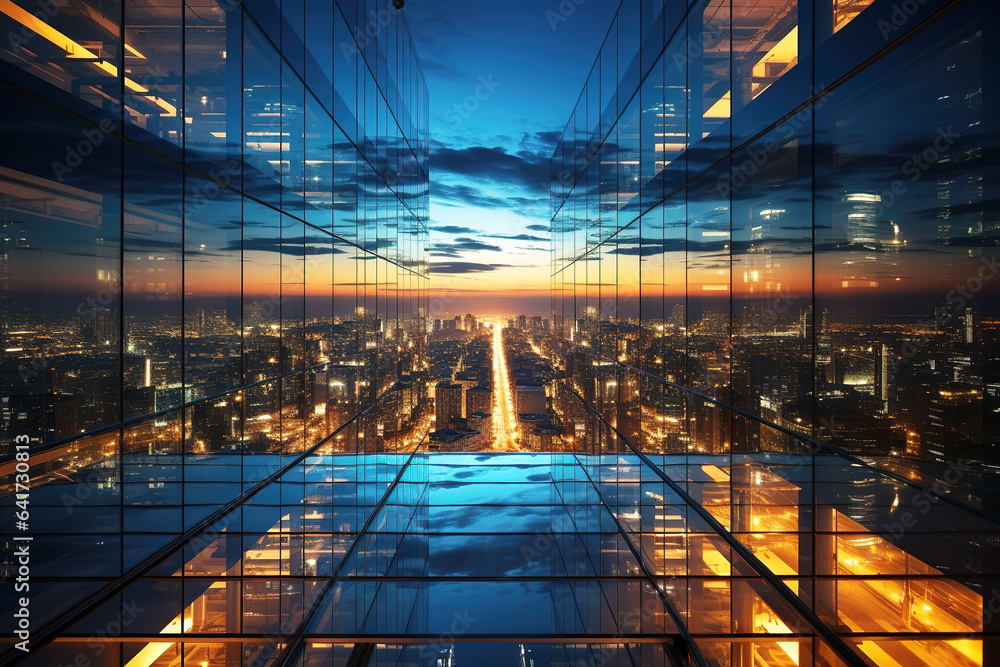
[(213, 217), (786, 208)]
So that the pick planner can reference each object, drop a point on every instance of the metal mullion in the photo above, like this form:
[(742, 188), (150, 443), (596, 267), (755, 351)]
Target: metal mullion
[(692, 648)]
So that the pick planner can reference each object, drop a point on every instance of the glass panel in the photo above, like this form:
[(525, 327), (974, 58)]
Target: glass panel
[(263, 138), (153, 268), (896, 364), (212, 287), (61, 230), (772, 282), (78, 52), (153, 55), (212, 52)]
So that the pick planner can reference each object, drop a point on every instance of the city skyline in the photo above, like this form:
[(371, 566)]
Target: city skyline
[(658, 332)]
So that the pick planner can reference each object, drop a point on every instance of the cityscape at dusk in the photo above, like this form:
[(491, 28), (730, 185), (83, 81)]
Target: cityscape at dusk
[(541, 333)]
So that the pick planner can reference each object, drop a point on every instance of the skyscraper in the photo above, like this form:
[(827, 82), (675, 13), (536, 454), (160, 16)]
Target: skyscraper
[(816, 158), (219, 364), (197, 199), (447, 403), (479, 399)]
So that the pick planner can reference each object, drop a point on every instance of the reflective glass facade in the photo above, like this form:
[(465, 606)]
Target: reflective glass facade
[(773, 271), (213, 217), (770, 358)]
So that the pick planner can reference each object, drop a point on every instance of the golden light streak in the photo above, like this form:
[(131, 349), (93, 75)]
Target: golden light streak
[(505, 430), (72, 49)]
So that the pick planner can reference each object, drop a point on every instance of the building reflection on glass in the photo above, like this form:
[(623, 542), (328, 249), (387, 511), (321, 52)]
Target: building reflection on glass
[(798, 323), (757, 427)]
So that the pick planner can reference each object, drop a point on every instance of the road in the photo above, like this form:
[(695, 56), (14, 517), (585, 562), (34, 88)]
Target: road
[(505, 428)]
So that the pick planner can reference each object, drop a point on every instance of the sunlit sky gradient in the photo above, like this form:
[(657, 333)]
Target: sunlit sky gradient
[(490, 157)]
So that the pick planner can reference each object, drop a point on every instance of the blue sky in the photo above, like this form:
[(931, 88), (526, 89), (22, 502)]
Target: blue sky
[(503, 79)]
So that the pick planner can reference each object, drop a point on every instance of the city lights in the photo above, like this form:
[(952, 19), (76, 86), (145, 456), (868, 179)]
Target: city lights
[(505, 429), (719, 391)]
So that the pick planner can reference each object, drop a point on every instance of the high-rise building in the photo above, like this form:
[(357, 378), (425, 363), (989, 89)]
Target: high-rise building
[(217, 448), (483, 423), (732, 168), (479, 399), (447, 403), (187, 192), (529, 397)]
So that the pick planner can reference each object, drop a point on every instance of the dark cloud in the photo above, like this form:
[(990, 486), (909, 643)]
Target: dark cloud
[(460, 267), (297, 246), (466, 243), (550, 137), (527, 168), (454, 229), (538, 228), (465, 267), (465, 195), (463, 244), (517, 237)]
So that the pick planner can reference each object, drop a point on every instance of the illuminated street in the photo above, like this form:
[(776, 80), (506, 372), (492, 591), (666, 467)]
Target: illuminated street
[(328, 340), (505, 433)]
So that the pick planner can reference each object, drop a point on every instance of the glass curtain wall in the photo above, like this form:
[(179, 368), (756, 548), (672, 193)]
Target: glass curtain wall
[(772, 273), (213, 218)]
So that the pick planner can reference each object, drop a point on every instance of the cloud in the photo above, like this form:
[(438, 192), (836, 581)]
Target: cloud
[(517, 237), (463, 244), (550, 137), (465, 195), (297, 246), (472, 244), (454, 229), (538, 228), (462, 195), (527, 168), (466, 267)]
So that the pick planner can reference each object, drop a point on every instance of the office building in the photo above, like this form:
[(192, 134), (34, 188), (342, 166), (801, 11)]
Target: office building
[(214, 305), (447, 403), (758, 210), (529, 397), (479, 399), (214, 217)]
